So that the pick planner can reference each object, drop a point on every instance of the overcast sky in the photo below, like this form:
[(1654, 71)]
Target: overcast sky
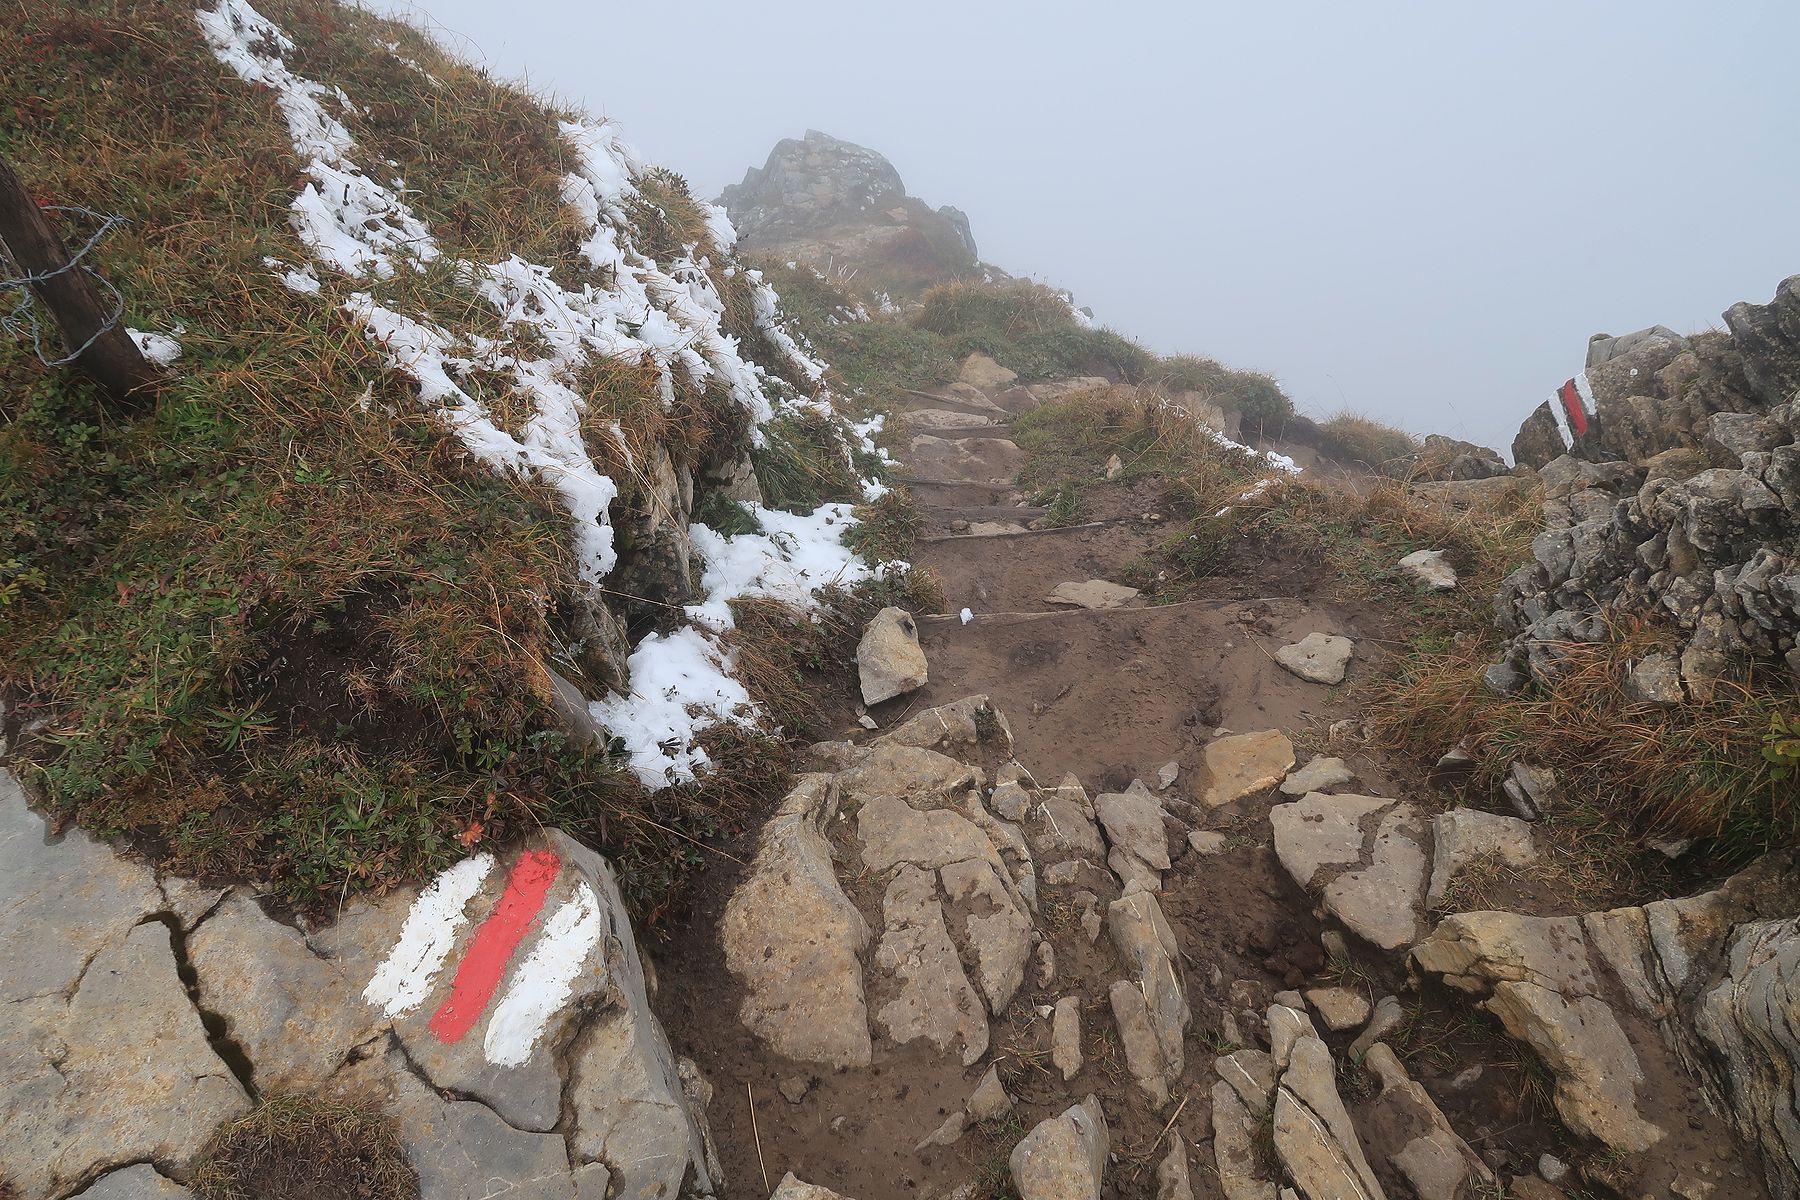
[(1419, 211)]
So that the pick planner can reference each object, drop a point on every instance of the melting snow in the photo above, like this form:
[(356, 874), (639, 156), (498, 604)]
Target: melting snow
[(681, 682)]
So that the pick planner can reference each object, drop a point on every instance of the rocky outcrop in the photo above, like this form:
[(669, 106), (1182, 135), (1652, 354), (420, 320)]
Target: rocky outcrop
[(1680, 503), (139, 1013), (842, 208), (1713, 975)]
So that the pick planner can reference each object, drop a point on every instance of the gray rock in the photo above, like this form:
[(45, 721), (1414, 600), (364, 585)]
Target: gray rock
[(1094, 593), (1147, 943), (1137, 1038), (1065, 1037), (1166, 775), (1540, 439), (1316, 776), (793, 1088), (1061, 826), (889, 661), (1011, 802), (1552, 1169), (1133, 820), (992, 929), (463, 1151), (1655, 679), (1379, 901), (966, 727), (947, 1134), (1314, 1138), (1434, 1159), (1534, 791), (1172, 1172), (916, 964), (989, 1099), (1235, 1151), (78, 1087), (1429, 568), (1318, 657), (60, 901), (1206, 841), (1463, 837), (795, 940), (981, 371), (1388, 1017), (1064, 1157), (134, 1183)]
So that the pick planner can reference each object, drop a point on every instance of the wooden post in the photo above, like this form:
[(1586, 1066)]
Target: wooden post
[(113, 360)]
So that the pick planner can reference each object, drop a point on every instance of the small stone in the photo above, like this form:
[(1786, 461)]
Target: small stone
[(1065, 1037), (1388, 1017), (1095, 593), (989, 1099), (1046, 964), (791, 1188), (1463, 837), (1429, 568), (1133, 820), (794, 1088), (947, 1134), (1063, 873), (1534, 791), (1457, 758), (1342, 1009), (1318, 657), (1692, 1187), (1316, 776), (1655, 680), (889, 661), (1166, 775), (1115, 467), (1010, 801), (867, 722), (1089, 906), (1552, 1168), (1336, 947), (1342, 731), (1137, 1037), (1206, 841)]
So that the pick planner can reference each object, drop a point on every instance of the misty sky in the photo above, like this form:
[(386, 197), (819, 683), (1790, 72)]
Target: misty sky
[(1419, 211)]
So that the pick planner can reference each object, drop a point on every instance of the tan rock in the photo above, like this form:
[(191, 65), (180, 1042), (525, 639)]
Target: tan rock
[(1064, 1157), (916, 964), (1318, 657), (989, 1099), (1341, 1008), (791, 1188), (1243, 764), (1094, 593), (1235, 1152), (1065, 1037), (1172, 1172), (981, 371)]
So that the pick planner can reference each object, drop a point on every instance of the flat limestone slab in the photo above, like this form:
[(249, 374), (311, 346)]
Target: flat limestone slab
[(1243, 764), (1318, 657), (1095, 593)]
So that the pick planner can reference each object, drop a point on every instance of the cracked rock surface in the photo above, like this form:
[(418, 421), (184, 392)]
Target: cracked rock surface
[(144, 1013)]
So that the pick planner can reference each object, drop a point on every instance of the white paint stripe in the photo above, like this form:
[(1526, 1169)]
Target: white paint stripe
[(543, 982), (405, 976)]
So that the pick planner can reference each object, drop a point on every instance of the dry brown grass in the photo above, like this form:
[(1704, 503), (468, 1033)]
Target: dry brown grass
[(1354, 438), (306, 1148)]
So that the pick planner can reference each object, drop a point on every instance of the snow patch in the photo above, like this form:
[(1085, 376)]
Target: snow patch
[(160, 348), (681, 684)]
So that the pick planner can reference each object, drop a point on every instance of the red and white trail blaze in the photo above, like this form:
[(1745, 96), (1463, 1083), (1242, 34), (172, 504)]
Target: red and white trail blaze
[(539, 986)]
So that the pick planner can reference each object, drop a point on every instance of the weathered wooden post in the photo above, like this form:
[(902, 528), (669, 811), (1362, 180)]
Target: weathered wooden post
[(92, 335)]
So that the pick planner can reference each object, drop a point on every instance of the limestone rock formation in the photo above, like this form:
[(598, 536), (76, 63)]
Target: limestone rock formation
[(558, 1037), (842, 208), (1364, 856), (1064, 1157), (889, 661), (1680, 504)]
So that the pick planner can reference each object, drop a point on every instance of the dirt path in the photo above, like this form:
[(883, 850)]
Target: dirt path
[(1109, 696)]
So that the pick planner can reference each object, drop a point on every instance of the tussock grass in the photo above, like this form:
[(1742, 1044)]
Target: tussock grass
[(1257, 397), (1353, 438), (305, 1148), (1027, 328)]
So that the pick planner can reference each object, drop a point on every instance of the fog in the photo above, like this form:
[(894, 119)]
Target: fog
[(1418, 211)]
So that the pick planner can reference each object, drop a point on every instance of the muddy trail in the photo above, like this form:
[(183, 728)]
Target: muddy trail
[(1051, 874)]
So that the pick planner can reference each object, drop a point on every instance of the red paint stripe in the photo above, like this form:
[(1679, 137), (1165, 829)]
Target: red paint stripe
[(479, 972), (1571, 398)]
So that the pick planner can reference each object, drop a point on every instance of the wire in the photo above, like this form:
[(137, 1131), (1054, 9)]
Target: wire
[(23, 321)]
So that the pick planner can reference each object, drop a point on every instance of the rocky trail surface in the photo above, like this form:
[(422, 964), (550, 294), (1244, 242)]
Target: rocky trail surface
[(1097, 897), (1117, 904)]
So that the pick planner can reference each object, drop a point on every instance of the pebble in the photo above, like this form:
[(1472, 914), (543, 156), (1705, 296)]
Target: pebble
[(794, 1088), (1552, 1168)]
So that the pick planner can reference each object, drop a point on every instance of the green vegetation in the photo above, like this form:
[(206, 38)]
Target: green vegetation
[(282, 625), (305, 1148), (1257, 397)]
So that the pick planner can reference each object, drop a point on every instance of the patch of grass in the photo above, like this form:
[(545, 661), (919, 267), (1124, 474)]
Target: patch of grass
[(888, 528), (1353, 438), (1257, 397), (1027, 328), (305, 1148), (804, 463)]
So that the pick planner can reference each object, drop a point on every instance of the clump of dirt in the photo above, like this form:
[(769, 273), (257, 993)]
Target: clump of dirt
[(306, 1148)]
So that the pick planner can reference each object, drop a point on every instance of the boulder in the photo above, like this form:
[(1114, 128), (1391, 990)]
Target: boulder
[(981, 371), (889, 661), (1133, 820), (1064, 1157), (1318, 657), (1243, 764), (1540, 439)]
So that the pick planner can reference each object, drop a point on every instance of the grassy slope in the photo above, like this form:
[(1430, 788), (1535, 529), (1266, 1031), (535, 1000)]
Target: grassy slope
[(281, 625)]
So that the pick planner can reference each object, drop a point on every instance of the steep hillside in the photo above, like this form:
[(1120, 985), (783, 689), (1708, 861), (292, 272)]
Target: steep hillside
[(435, 531)]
